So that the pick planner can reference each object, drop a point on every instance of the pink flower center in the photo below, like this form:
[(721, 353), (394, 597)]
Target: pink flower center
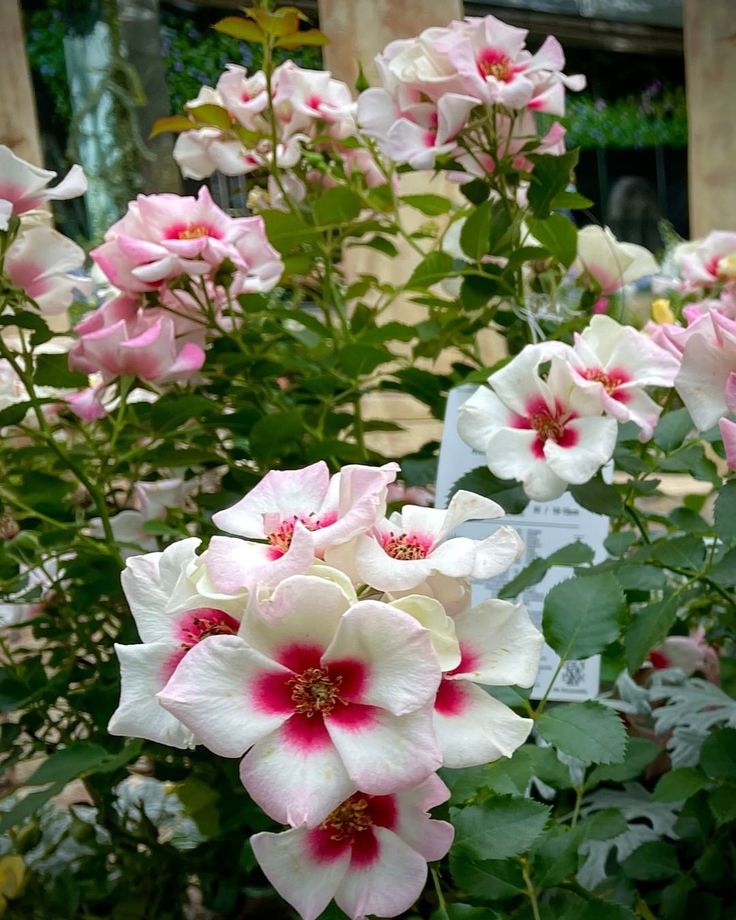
[(550, 424), (314, 691), (202, 622), (192, 232), (282, 535), (611, 380), (494, 63), (405, 546), (351, 827)]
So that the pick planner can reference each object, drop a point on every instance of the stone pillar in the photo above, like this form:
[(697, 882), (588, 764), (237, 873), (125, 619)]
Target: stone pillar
[(18, 121), (710, 69)]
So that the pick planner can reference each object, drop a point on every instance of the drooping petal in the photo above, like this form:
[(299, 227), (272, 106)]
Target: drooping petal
[(429, 838), (497, 553), (304, 882), (473, 728), (431, 614), (223, 691), (144, 670)]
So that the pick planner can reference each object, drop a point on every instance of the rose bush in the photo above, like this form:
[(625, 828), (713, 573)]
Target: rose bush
[(222, 613)]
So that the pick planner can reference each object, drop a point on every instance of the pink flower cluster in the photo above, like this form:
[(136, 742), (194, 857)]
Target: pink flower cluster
[(432, 85), (552, 430), (336, 652), (305, 105), (172, 247)]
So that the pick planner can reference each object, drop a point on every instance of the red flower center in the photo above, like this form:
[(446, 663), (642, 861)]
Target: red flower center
[(351, 818), (404, 546), (493, 63), (280, 538), (314, 691), (611, 381), (202, 622)]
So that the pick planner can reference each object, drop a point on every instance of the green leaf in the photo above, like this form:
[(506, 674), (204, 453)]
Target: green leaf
[(725, 513), (54, 371), (672, 429), (433, 268), (14, 414), (583, 615), (68, 763), (175, 123), (640, 752), (599, 497), (476, 231), (558, 235), (307, 37), (589, 731), (724, 571), (550, 177), (649, 627), (718, 754), (570, 201), (489, 879), (678, 785), (286, 231), (652, 861), (576, 553), (634, 577), (432, 205), (722, 802), (381, 244), (337, 206), (501, 827), (358, 360), (507, 492), (679, 553)]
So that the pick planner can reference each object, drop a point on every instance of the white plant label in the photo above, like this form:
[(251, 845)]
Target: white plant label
[(544, 527)]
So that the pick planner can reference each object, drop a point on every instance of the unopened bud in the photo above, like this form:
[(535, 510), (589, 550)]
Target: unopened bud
[(9, 527)]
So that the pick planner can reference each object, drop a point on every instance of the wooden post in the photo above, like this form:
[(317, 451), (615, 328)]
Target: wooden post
[(18, 120), (710, 70)]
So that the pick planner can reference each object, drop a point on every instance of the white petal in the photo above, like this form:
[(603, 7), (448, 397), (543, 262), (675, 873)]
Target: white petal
[(480, 417), (296, 778), (596, 441), (306, 884), (144, 670), (432, 616), (501, 646), (219, 692), (497, 553), (402, 669), (480, 730), (429, 838), (389, 752)]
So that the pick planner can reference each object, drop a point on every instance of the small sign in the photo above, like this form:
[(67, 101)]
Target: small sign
[(544, 527)]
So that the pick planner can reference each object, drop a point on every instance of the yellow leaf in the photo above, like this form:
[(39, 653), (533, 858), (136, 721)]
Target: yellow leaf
[(307, 37), (278, 24), (241, 28), (176, 123), (12, 875), (210, 114)]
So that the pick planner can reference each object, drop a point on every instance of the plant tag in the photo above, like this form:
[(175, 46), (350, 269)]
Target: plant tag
[(544, 527)]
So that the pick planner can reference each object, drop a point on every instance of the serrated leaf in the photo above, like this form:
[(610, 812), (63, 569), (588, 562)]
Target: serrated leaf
[(599, 497), (722, 802), (501, 827), (679, 553), (652, 861), (336, 206), (672, 429), (558, 236), (649, 627), (549, 178), (432, 205), (476, 231), (718, 754), (576, 553), (583, 615), (570, 201), (640, 752), (433, 268), (589, 731), (725, 512)]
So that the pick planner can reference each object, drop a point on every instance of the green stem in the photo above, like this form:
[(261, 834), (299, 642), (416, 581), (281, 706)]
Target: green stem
[(543, 702), (530, 890), (438, 891)]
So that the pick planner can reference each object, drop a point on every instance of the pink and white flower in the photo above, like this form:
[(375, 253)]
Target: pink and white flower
[(370, 854), (299, 514), (402, 551), (324, 697), (616, 362), (120, 337), (162, 237), (728, 436), (25, 187), (303, 97), (609, 264), (706, 382), (500, 647), (689, 653), (172, 617), (46, 265), (201, 151), (546, 433), (707, 262)]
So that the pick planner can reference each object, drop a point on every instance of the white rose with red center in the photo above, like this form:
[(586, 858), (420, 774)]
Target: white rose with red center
[(617, 362), (325, 697), (172, 615), (404, 550), (299, 514), (370, 854), (546, 432), (499, 647)]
